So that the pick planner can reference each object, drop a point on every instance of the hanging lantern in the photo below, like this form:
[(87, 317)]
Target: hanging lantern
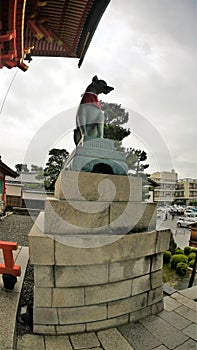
[(193, 236)]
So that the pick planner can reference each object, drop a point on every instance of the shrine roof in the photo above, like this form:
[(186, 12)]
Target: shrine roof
[(6, 170), (56, 28)]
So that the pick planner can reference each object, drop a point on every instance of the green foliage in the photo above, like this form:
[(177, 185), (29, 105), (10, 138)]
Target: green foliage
[(115, 132), (191, 256), (36, 168), (191, 263), (167, 255), (114, 113), (181, 268), (134, 159), (54, 165), (179, 251), (20, 167), (178, 258), (187, 250)]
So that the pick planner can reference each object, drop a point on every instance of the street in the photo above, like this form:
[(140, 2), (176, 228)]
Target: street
[(181, 234)]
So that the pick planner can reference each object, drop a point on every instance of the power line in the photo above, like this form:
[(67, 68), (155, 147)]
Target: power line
[(9, 87)]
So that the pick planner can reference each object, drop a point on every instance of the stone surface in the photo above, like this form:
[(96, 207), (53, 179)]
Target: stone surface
[(187, 313), (67, 297), (83, 341), (45, 316), (125, 248), (43, 276), (41, 246), (129, 269), (30, 342), (73, 276), (57, 342), (64, 217), (141, 284), (85, 156), (74, 315), (42, 297), (124, 306), (107, 292), (70, 329), (162, 330), (112, 322), (74, 185), (139, 337), (112, 339), (175, 319)]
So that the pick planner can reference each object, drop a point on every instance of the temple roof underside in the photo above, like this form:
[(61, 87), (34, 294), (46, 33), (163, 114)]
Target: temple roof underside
[(56, 28)]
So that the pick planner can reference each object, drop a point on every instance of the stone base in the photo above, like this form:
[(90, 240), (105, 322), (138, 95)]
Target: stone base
[(89, 203), (86, 289), (97, 155)]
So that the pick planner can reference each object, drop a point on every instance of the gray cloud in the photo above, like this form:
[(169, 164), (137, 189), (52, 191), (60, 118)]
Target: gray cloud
[(146, 50)]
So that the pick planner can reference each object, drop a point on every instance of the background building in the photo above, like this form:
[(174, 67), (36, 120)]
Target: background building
[(4, 170), (167, 180), (186, 191)]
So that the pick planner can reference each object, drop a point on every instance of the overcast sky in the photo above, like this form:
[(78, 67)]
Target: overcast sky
[(146, 49)]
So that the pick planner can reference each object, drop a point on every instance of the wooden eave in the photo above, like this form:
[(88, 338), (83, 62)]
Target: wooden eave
[(58, 28), (7, 171)]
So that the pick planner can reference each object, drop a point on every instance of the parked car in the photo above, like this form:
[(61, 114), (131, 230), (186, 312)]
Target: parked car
[(185, 222)]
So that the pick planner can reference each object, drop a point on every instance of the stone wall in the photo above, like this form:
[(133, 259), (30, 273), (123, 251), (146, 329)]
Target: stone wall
[(85, 289)]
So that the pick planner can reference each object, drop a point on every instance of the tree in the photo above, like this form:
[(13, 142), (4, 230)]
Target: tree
[(36, 168), (114, 113), (21, 167), (134, 159), (54, 166), (115, 116)]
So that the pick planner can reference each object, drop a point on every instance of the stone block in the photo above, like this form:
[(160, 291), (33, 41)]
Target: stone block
[(107, 292), (75, 185), (156, 279), (129, 269), (43, 276), (157, 307), (57, 342), (29, 341), (41, 247), (157, 262), (42, 297), (163, 240), (67, 297), (141, 284), (155, 295), (74, 276), (127, 247), (74, 315), (132, 217), (112, 322), (140, 314), (124, 306), (40, 329), (75, 217), (70, 329), (45, 316), (86, 340), (112, 339)]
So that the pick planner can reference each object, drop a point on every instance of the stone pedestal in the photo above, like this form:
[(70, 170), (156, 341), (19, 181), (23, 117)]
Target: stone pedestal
[(97, 155), (86, 289), (97, 256)]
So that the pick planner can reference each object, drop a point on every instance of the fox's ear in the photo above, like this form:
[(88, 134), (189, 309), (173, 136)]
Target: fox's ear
[(94, 79)]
